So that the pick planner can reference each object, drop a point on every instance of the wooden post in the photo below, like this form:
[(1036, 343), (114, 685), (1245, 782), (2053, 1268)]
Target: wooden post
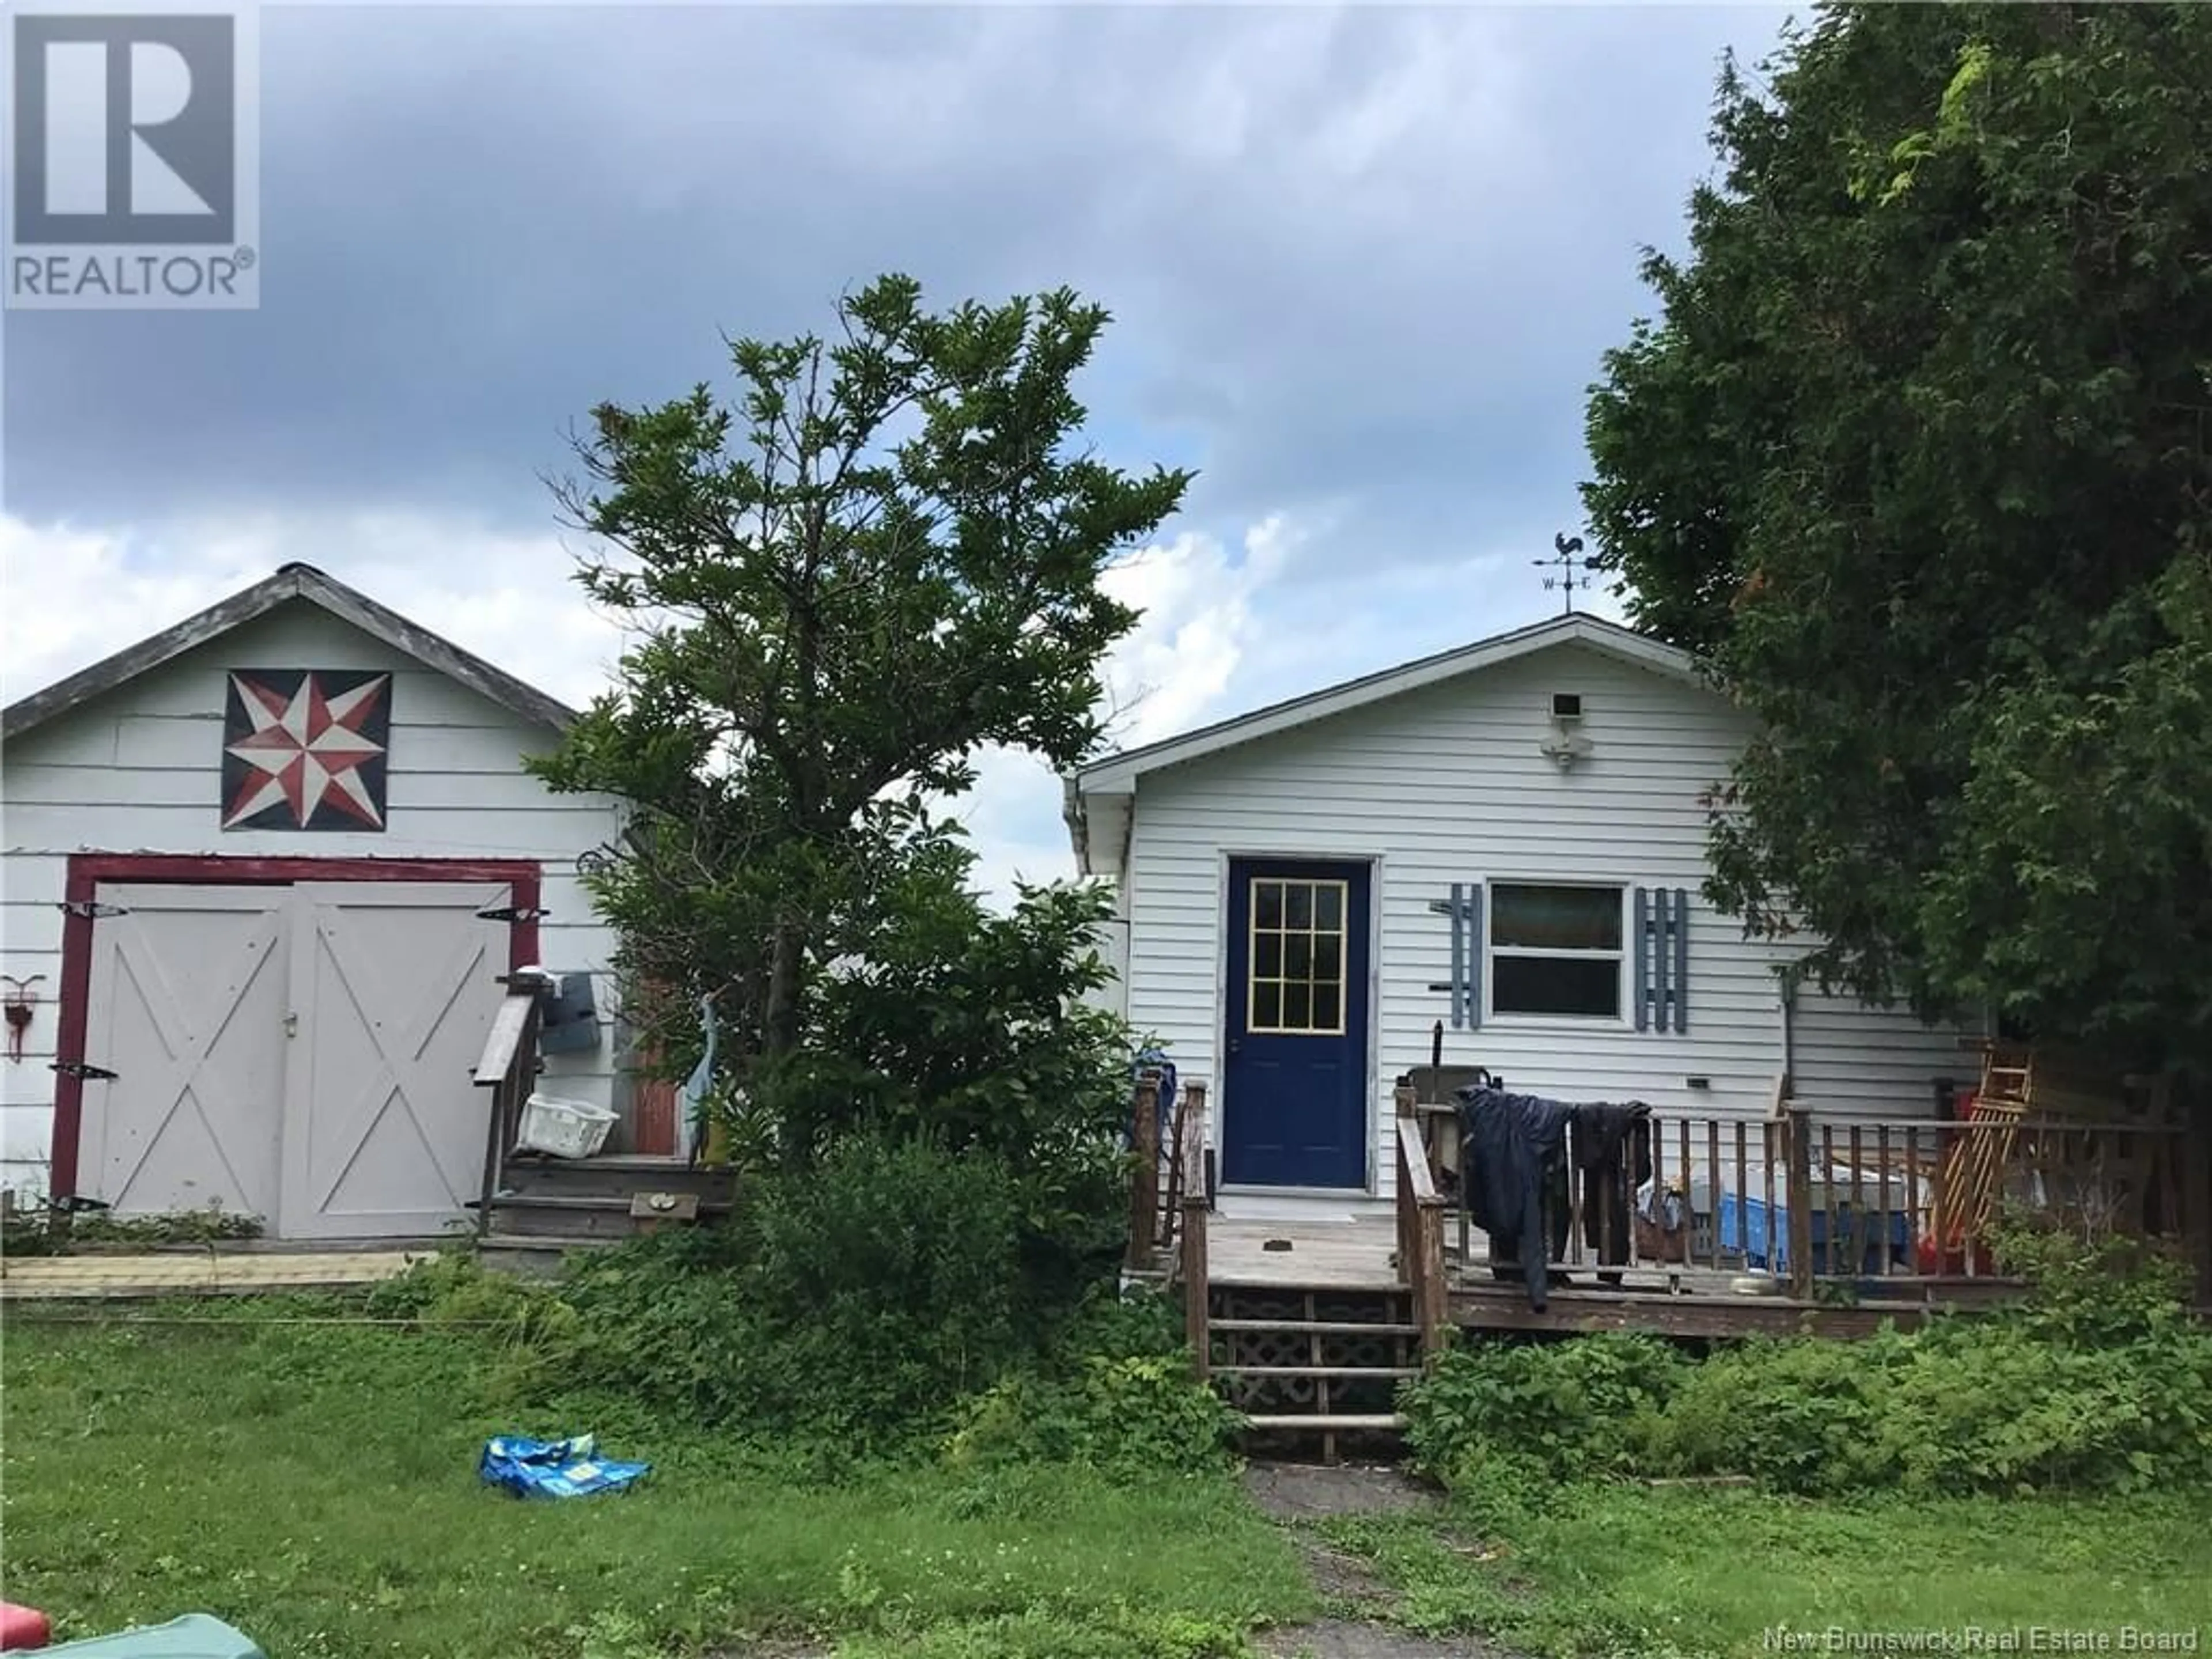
[(1435, 1306), (1421, 1238), (1144, 1179), (1799, 1198), (1196, 1293), (1404, 1097), (508, 1068)]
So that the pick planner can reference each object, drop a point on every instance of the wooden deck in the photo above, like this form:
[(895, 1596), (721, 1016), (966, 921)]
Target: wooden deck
[(1799, 1224), (1357, 1256), (1337, 1255)]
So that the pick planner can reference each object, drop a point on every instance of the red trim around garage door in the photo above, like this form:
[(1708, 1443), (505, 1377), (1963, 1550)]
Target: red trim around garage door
[(86, 870)]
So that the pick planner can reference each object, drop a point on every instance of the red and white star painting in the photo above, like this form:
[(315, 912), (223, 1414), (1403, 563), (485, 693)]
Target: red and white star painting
[(305, 749)]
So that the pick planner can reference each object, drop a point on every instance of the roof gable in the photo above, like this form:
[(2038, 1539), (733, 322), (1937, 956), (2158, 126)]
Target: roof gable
[(292, 581), (1118, 773)]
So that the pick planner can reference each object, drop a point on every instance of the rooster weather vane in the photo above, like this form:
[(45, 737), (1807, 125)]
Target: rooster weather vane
[(1574, 569)]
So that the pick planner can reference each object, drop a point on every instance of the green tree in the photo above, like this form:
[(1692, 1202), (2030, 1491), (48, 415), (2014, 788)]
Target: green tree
[(1918, 456), (884, 557)]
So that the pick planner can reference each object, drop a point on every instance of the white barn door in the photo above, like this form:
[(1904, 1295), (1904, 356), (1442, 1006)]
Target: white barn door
[(301, 1054), (391, 987), (188, 998)]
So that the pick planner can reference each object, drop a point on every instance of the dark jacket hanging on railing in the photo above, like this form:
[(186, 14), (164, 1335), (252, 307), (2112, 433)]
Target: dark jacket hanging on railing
[(1611, 1148), (1513, 1181), (1513, 1177)]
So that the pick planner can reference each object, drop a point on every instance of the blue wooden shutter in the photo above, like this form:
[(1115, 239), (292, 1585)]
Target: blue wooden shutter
[(1662, 959), (1681, 960), (1644, 959), (1464, 911), (1471, 982)]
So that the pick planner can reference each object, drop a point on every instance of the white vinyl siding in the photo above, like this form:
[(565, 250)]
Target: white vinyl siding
[(1447, 784), (137, 771), (1848, 1057)]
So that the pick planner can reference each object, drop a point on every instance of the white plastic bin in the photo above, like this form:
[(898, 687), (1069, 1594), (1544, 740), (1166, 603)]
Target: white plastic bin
[(563, 1128)]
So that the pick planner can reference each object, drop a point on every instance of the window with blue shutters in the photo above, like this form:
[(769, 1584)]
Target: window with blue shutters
[(1532, 949), (1567, 951)]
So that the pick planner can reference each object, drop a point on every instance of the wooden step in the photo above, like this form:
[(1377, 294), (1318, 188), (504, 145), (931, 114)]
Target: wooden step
[(1317, 1327), (1344, 1373), (1334, 1423), (613, 1174), (564, 1215)]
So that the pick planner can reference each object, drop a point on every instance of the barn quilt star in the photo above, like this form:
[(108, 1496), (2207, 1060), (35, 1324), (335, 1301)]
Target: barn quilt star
[(307, 748)]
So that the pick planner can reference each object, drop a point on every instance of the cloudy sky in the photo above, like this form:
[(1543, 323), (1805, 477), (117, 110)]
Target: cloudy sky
[(1363, 263)]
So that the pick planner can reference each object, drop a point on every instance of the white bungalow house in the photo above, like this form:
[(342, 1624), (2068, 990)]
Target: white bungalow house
[(1508, 838), (261, 872)]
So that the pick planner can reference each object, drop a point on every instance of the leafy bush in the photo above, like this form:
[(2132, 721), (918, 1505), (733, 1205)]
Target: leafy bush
[(2100, 1380), (969, 1030), (2112, 1289), (32, 1229), (1562, 1409), (1801, 1414), (852, 1306), (1111, 1323), (1129, 1417), (890, 1281)]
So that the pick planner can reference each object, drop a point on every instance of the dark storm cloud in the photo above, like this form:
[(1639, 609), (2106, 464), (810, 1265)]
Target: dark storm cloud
[(1364, 261)]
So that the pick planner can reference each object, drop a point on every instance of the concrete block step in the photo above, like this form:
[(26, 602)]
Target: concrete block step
[(531, 1254), (1331, 1423)]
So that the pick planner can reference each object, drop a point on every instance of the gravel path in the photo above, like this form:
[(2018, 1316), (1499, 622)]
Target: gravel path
[(1296, 1495)]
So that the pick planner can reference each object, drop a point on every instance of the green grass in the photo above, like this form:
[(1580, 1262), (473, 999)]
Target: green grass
[(316, 1486), (1631, 1571)]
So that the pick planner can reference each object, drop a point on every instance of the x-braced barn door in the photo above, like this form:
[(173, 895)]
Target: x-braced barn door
[(185, 1030), (392, 987)]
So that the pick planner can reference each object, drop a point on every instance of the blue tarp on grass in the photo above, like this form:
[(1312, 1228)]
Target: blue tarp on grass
[(554, 1469)]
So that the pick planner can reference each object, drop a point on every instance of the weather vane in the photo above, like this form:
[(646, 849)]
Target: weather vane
[(1567, 555)]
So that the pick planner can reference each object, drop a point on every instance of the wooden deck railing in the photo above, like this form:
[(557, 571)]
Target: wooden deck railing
[(1883, 1204), (1147, 1227), (1421, 1232), (509, 1067), (1886, 1205), (1194, 1198)]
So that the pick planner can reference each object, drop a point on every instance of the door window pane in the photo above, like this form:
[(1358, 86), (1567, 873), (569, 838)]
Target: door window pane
[(1267, 904), (1295, 966), (1267, 1006)]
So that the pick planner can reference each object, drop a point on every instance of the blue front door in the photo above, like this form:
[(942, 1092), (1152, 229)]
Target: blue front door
[(1294, 1073)]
